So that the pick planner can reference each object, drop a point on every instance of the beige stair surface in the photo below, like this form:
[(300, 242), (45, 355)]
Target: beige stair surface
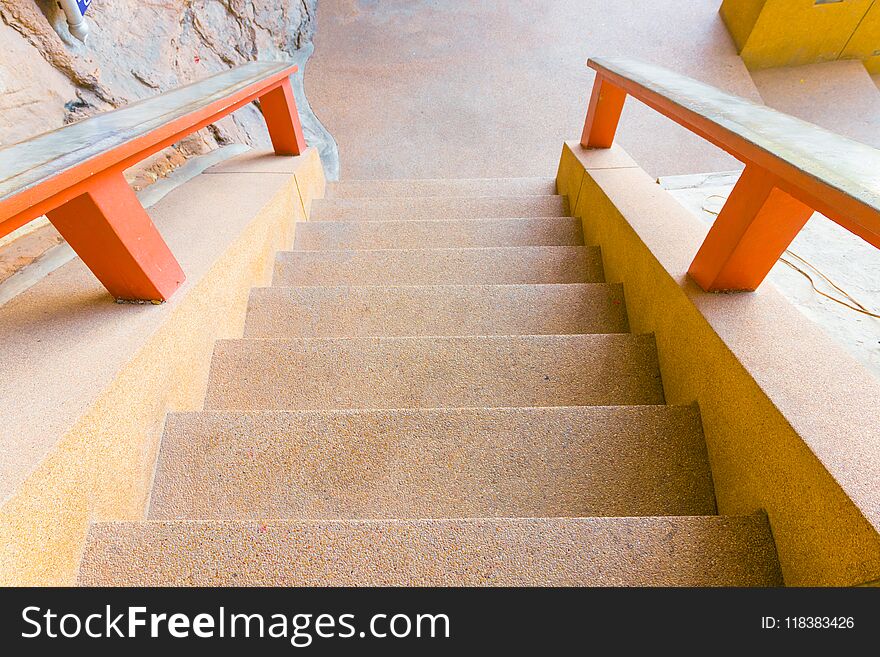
[(434, 463), (487, 266), (437, 207), (442, 187), (438, 389), (463, 233), (330, 312), (430, 372), (648, 551)]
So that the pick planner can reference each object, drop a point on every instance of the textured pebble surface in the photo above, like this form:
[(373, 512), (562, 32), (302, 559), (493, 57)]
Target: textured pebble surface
[(460, 234), (475, 266), (434, 463), (432, 207), (435, 393), (331, 312), (679, 551)]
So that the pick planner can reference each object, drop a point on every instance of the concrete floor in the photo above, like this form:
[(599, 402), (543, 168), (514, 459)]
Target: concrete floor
[(455, 88), (839, 96)]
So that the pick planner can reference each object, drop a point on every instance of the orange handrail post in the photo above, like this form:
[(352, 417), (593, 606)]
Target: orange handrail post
[(792, 168), (282, 120), (114, 236), (752, 231), (74, 175), (603, 115)]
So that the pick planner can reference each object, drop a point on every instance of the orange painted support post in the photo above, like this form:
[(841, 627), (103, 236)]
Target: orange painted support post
[(603, 115), (282, 120), (752, 231), (110, 230)]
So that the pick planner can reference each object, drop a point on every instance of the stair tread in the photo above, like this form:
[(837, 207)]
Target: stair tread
[(353, 311), (408, 208), (441, 187), (424, 372), (461, 233), (438, 389), (666, 551), (433, 463), (494, 265)]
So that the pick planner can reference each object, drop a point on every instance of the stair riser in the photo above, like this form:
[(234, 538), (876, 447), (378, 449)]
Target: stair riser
[(341, 235), (521, 265), (328, 312), (432, 208), (511, 552), (585, 370), (608, 461), (442, 187)]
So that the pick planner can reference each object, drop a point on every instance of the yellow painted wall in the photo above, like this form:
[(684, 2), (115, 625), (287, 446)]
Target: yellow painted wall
[(865, 43), (711, 348), (796, 32), (740, 17)]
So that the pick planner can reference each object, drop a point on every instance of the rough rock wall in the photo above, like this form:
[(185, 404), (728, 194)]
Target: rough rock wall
[(137, 48)]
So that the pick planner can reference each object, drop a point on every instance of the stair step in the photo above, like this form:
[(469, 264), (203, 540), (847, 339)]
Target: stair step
[(530, 231), (490, 266), (330, 312), (433, 372), (420, 208), (442, 187), (434, 463), (666, 551)]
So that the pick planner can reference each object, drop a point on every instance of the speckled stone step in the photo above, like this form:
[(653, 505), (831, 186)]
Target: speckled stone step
[(666, 551), (437, 207), (442, 187), (491, 266), (433, 372), (329, 312), (433, 463), (530, 231)]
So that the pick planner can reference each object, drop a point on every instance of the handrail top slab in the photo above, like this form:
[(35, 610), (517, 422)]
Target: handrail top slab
[(849, 166), (28, 163)]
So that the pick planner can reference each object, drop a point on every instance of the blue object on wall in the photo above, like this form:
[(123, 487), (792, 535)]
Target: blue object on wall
[(83, 6)]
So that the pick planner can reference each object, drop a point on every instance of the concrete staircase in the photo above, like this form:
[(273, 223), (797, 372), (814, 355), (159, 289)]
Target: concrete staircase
[(438, 389)]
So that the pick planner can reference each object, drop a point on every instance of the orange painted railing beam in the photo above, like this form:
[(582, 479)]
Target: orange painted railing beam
[(74, 175), (793, 168)]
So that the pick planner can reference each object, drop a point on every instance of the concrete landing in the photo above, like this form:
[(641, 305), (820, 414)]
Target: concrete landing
[(839, 96), (451, 89), (683, 551), (443, 187)]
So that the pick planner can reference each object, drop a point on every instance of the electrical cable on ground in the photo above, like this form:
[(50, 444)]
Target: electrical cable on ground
[(848, 301)]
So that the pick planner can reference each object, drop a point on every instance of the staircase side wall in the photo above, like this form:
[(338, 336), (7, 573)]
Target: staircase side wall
[(789, 417), (94, 431)]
